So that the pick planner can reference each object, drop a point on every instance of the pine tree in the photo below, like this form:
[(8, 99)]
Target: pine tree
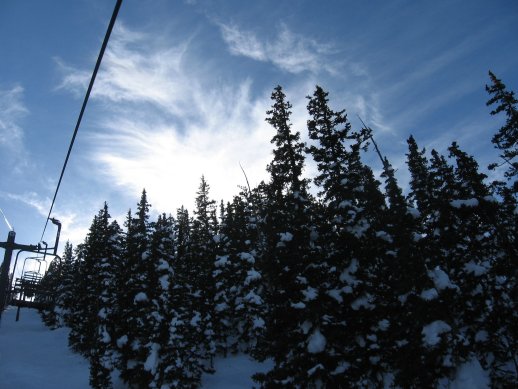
[(239, 306), (105, 252), (160, 276), (64, 296), (506, 139), (133, 333), (201, 258), (354, 251), (290, 263)]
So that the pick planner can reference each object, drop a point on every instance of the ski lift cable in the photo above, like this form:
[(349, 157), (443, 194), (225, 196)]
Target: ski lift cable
[(87, 96)]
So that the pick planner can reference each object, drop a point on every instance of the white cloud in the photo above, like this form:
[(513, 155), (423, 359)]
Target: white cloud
[(291, 52), (12, 110), (33, 200), (164, 124)]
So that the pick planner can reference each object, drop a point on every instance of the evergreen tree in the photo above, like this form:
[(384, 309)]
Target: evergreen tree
[(133, 333), (64, 296), (160, 277), (506, 139), (104, 253), (201, 258), (290, 263)]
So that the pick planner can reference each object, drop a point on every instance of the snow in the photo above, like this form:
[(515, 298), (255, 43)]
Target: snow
[(34, 357), (140, 297), (251, 276), (152, 359), (429, 294), (347, 274), (470, 375), (122, 341), (475, 269), (441, 279), (234, 372), (163, 265), (316, 342), (315, 368), (384, 235), (164, 282), (341, 368), (432, 331), (286, 236), (221, 261), (334, 293), (247, 257), (310, 294), (362, 302)]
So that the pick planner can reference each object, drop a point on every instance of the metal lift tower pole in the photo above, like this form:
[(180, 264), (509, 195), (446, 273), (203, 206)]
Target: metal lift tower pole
[(6, 265)]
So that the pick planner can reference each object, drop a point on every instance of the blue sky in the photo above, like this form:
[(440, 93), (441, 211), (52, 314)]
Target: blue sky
[(184, 87)]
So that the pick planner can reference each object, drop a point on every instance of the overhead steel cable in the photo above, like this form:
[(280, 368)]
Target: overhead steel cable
[(87, 96)]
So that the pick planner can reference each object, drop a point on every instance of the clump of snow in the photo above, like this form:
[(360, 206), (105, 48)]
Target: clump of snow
[(481, 336), (384, 324), (247, 257), (252, 275), (362, 302), (384, 235), (122, 341), (258, 322), (286, 236), (310, 293), (152, 359), (429, 294), (102, 314), (335, 293), (471, 375), (341, 368), (315, 368), (163, 265), (316, 342), (164, 282), (347, 274), (299, 305), (432, 331), (195, 319), (464, 203), (475, 269), (221, 260), (140, 297), (251, 297), (306, 326), (441, 279)]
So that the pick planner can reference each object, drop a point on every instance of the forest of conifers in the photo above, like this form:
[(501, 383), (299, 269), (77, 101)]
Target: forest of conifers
[(353, 287)]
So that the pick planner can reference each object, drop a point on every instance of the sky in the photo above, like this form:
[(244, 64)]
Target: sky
[(184, 88)]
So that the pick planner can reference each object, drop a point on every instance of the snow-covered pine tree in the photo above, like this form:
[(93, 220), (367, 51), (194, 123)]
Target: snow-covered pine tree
[(133, 334), (354, 244), (291, 264), (64, 294), (104, 252), (239, 307), (160, 277), (201, 264)]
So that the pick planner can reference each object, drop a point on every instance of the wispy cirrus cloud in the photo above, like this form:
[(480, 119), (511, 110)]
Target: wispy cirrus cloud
[(289, 51), (163, 124), (12, 109)]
